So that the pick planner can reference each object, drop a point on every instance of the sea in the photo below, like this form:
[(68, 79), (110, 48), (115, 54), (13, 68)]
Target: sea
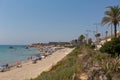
[(9, 54)]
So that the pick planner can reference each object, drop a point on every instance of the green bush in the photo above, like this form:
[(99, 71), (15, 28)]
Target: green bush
[(92, 46), (112, 47)]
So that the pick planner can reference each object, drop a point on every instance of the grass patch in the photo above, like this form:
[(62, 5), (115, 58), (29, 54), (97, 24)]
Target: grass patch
[(64, 70)]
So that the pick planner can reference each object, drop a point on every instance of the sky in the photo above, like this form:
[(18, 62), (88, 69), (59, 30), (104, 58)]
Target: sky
[(34, 21)]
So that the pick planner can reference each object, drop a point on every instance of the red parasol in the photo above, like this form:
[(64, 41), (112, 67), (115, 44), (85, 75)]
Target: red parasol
[(18, 63)]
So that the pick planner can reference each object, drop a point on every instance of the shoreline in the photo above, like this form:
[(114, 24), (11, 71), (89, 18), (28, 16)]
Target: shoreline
[(29, 70), (42, 53), (16, 53)]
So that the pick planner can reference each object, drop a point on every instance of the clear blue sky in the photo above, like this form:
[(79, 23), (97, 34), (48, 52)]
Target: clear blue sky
[(32, 21)]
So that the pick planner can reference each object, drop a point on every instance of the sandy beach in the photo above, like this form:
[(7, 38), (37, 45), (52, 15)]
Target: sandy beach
[(29, 70)]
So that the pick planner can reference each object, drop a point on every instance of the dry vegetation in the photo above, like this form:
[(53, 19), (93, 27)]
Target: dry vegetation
[(84, 64), (97, 66)]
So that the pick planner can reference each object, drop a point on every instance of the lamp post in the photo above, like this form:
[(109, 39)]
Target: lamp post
[(96, 24)]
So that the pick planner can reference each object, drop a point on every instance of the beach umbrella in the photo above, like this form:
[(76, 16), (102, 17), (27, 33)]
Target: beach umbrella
[(18, 63), (3, 66)]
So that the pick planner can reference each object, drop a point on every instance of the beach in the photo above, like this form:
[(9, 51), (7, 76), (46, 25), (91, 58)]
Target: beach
[(29, 70)]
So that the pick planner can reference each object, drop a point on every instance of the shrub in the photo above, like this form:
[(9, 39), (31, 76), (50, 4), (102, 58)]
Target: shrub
[(92, 46), (112, 47)]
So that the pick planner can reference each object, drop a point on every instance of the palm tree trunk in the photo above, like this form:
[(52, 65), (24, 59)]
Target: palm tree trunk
[(115, 30), (111, 30)]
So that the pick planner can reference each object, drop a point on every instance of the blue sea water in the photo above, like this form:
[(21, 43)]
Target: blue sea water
[(16, 53)]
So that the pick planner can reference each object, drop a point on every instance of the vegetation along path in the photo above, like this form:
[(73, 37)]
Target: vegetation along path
[(84, 64)]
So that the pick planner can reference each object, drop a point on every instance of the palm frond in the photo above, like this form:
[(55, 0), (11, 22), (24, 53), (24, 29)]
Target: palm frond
[(108, 13), (109, 25), (106, 20), (118, 17), (114, 11)]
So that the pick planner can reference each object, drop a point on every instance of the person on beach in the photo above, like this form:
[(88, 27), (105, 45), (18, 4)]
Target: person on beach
[(29, 58), (7, 66), (34, 61)]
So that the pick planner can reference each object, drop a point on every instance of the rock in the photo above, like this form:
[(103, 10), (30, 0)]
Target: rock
[(83, 76), (102, 77)]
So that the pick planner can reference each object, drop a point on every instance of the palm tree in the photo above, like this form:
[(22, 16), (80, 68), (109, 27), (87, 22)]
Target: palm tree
[(90, 41), (97, 37), (112, 17), (106, 32), (81, 38)]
